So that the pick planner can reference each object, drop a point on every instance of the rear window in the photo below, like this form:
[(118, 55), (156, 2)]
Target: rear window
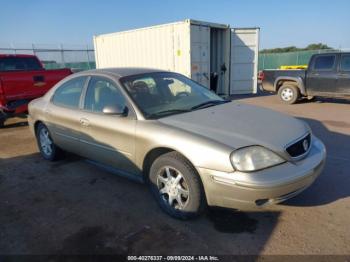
[(19, 64), (325, 62)]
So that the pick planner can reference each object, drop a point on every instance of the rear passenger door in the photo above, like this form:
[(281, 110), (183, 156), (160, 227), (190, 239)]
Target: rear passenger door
[(63, 114), (322, 76), (343, 82), (108, 139)]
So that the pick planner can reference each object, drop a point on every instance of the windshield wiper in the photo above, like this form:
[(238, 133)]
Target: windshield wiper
[(168, 112), (179, 111), (210, 103)]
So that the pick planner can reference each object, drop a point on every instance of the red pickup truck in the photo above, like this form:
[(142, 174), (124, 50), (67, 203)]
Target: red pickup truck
[(22, 79)]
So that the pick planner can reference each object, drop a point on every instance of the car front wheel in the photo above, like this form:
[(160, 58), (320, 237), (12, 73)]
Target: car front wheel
[(176, 186), (47, 148)]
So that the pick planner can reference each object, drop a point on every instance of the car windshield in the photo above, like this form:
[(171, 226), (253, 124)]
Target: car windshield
[(163, 94)]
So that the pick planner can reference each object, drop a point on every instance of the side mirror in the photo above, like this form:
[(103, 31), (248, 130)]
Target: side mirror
[(115, 110)]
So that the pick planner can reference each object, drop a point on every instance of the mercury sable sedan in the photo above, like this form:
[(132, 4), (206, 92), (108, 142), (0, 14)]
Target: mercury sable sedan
[(191, 146)]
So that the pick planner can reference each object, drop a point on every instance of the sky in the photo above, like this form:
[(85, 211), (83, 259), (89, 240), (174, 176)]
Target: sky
[(74, 22)]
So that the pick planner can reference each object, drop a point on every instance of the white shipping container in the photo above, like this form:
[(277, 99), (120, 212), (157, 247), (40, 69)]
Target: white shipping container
[(215, 55)]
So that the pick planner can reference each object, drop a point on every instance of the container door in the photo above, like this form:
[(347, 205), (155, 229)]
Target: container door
[(244, 60), (200, 54)]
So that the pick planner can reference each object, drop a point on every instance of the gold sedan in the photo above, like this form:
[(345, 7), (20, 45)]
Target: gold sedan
[(191, 146)]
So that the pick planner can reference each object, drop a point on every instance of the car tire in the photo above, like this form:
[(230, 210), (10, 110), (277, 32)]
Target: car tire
[(289, 94), (176, 186), (47, 147)]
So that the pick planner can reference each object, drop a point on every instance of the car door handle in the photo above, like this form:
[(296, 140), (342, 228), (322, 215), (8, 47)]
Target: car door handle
[(342, 74), (84, 122), (39, 84), (39, 78)]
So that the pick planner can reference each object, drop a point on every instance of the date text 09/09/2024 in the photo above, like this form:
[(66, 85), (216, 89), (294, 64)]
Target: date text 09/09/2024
[(173, 258)]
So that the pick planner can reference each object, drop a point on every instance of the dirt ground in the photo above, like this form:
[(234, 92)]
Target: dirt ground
[(74, 207)]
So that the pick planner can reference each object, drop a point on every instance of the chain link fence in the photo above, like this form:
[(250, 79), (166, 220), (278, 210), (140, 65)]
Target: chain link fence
[(76, 57), (275, 60)]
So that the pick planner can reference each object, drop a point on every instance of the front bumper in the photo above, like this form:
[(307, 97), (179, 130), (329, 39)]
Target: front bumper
[(252, 190)]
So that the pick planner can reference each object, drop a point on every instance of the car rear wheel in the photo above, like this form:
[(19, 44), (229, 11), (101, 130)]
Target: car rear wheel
[(47, 147), (289, 94), (176, 186)]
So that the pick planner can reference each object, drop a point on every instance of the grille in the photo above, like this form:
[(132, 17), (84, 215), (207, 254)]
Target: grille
[(300, 147)]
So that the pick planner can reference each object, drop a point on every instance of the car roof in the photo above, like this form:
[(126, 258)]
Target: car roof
[(120, 72), (333, 53)]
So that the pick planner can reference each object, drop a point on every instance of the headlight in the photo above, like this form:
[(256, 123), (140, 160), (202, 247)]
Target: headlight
[(254, 158)]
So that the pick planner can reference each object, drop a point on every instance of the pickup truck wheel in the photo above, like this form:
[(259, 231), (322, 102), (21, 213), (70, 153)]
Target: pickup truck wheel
[(176, 186), (47, 147), (289, 94)]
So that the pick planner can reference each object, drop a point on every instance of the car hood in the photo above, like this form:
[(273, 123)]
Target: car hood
[(239, 125)]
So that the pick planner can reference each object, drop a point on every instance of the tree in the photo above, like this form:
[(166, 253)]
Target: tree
[(287, 49), (317, 46)]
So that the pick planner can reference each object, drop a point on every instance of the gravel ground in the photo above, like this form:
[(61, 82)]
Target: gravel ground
[(73, 207)]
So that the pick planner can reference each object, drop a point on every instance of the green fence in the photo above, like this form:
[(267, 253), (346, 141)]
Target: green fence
[(72, 65), (275, 60)]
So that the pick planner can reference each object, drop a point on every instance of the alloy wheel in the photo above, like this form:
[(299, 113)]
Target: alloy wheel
[(45, 142), (173, 187)]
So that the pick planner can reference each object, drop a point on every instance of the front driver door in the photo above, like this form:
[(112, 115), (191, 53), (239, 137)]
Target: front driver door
[(343, 82), (108, 139), (322, 75)]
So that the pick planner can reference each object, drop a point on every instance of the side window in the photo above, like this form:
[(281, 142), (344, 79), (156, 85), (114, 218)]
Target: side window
[(11, 64), (32, 64), (69, 93), (102, 92), (345, 63), (19, 64), (324, 62)]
